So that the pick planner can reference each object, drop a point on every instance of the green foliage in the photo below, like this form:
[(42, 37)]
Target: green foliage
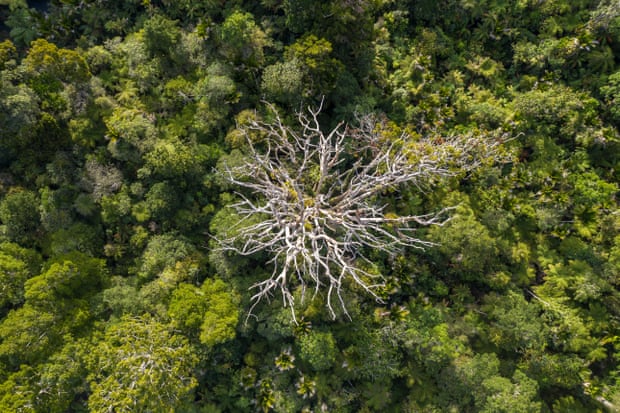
[(242, 39), (19, 116), (45, 59), (17, 265), (70, 276), (62, 378), (28, 328), (113, 114), (160, 36), (314, 57), (611, 92), (8, 52), (470, 250), (158, 202), (130, 132), (371, 356), (16, 392), (211, 311), (163, 251), (222, 313), (78, 237), (283, 82), (299, 14), (20, 216), (120, 298), (515, 324), (556, 109), (318, 349), (140, 365), (173, 159), (517, 396), (24, 28)]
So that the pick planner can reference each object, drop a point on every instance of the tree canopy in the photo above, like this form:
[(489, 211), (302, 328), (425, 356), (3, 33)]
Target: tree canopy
[(296, 206)]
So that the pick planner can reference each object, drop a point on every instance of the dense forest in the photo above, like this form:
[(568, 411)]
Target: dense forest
[(467, 259)]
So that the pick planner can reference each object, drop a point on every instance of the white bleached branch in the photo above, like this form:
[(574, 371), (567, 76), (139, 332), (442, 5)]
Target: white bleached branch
[(317, 198)]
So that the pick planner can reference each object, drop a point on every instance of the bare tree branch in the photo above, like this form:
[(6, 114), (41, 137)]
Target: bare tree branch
[(316, 196)]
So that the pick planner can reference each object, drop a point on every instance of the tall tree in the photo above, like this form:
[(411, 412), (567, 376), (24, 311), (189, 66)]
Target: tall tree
[(313, 202)]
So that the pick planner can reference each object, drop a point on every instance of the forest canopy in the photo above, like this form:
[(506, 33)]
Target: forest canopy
[(296, 206)]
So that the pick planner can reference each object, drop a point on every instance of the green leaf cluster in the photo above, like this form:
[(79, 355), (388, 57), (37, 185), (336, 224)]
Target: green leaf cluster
[(115, 115)]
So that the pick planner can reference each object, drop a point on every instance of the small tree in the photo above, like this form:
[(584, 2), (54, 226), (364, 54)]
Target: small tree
[(312, 199)]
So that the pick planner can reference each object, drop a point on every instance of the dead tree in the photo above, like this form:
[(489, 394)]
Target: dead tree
[(312, 199)]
